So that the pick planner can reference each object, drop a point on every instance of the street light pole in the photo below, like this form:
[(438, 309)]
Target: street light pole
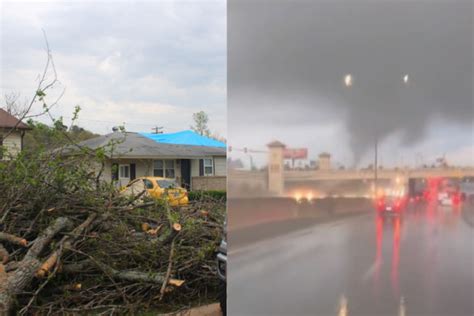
[(348, 82), (376, 165)]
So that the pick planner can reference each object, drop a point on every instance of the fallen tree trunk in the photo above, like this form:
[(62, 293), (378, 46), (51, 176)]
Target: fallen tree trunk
[(130, 276), (17, 280)]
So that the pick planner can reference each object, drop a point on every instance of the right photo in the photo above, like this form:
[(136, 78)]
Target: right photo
[(350, 157)]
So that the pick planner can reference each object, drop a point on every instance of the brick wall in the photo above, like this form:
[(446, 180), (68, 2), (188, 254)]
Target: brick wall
[(208, 183)]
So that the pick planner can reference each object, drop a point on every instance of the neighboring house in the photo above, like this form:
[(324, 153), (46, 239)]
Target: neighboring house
[(196, 162), (12, 131)]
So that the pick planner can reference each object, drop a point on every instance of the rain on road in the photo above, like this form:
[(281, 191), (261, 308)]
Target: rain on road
[(420, 263)]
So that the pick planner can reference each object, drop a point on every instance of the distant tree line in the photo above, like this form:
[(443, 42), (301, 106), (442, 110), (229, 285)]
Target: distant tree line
[(45, 137)]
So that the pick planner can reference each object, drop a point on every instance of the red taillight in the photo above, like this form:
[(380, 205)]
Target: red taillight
[(456, 199), (380, 204)]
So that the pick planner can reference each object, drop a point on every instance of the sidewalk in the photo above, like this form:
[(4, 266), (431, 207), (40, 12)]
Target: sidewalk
[(207, 310)]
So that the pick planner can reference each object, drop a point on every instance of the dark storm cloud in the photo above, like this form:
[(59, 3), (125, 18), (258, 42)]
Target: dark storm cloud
[(282, 49)]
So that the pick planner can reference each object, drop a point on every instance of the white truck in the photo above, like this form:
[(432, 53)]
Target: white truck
[(449, 192)]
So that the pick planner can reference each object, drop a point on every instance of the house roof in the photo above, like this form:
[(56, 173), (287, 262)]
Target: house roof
[(135, 145), (325, 154), (9, 121), (184, 138)]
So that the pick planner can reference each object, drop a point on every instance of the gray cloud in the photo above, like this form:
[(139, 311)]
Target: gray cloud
[(120, 60), (286, 49)]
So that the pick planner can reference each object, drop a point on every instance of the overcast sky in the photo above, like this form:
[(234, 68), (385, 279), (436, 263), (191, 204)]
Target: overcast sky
[(287, 61), (139, 62)]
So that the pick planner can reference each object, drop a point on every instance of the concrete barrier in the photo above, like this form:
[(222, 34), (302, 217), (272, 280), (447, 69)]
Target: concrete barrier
[(243, 213), (468, 213)]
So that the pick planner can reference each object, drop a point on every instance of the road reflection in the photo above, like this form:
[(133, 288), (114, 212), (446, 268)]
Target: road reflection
[(396, 255), (392, 225), (389, 228), (343, 310)]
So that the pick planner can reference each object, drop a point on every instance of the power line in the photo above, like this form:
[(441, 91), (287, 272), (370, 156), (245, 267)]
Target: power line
[(157, 130)]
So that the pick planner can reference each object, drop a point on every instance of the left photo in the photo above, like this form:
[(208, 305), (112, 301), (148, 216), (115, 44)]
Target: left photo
[(113, 157)]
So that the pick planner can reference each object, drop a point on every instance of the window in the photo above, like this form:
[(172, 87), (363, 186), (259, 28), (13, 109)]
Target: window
[(169, 168), (158, 168), (124, 171), (164, 168), (148, 184), (208, 167), (166, 184)]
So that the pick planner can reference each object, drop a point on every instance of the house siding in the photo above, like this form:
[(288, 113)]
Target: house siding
[(220, 166), (194, 168), (209, 183), (12, 145), (144, 168)]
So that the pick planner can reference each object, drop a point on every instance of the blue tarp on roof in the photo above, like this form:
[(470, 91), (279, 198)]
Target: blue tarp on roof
[(184, 138)]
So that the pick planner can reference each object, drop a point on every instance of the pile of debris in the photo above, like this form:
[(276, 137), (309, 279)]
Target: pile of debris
[(70, 243)]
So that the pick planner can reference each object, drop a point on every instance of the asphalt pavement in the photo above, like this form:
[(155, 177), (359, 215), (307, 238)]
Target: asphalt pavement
[(420, 263)]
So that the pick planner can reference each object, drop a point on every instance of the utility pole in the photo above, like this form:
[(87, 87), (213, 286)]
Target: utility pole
[(157, 130), (375, 166)]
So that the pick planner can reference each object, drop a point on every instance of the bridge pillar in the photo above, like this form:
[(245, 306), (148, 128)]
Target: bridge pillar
[(275, 167)]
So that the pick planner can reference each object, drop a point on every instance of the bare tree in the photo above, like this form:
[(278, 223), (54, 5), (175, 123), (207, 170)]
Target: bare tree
[(46, 80), (200, 123)]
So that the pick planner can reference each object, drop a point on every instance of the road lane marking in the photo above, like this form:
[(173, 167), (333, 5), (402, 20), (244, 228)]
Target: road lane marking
[(343, 310), (401, 310), (368, 274)]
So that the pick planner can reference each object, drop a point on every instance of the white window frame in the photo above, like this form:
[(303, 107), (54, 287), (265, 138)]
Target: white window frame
[(164, 168), (124, 178), (208, 163)]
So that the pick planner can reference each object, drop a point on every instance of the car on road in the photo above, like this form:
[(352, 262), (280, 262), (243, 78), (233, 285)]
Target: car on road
[(449, 192), (222, 271), (390, 204), (159, 188)]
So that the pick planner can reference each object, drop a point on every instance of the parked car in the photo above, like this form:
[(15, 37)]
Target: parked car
[(222, 271), (160, 188)]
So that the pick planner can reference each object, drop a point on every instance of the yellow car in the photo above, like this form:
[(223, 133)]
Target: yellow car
[(160, 188)]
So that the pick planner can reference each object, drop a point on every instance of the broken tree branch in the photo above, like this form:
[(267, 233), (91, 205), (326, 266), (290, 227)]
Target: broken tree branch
[(4, 255), (21, 277), (13, 239)]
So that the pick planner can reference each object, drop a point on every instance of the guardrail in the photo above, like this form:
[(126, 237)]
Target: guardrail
[(247, 212)]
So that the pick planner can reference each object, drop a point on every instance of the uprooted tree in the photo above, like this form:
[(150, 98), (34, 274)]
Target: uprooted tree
[(71, 243)]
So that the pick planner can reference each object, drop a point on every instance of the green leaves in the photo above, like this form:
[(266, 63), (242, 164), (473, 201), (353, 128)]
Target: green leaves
[(40, 93)]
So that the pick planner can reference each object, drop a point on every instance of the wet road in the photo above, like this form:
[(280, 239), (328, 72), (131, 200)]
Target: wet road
[(419, 264)]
